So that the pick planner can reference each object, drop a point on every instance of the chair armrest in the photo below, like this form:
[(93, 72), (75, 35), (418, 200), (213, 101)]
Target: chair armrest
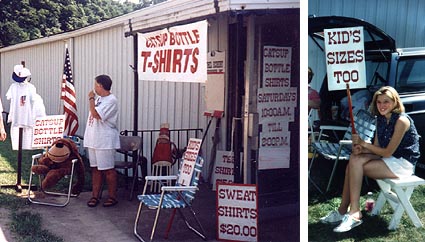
[(333, 127), (37, 156), (348, 142), (345, 142), (179, 188), (157, 178)]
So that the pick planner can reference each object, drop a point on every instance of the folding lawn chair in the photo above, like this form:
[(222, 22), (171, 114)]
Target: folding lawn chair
[(174, 197), (365, 125), (311, 132), (58, 191)]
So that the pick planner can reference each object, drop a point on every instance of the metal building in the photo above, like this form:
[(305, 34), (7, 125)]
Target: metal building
[(239, 28)]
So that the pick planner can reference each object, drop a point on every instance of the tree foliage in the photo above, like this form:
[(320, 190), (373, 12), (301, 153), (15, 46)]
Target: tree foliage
[(23, 20)]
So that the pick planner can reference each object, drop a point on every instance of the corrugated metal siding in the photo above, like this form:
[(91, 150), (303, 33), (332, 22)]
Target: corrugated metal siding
[(109, 52), (45, 63), (262, 4), (401, 19), (104, 52), (103, 49), (170, 12), (173, 11)]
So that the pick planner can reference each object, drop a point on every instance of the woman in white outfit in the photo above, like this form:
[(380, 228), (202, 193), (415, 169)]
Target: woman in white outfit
[(101, 138)]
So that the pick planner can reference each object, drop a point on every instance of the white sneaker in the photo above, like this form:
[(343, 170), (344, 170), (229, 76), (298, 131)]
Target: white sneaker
[(348, 222), (332, 218)]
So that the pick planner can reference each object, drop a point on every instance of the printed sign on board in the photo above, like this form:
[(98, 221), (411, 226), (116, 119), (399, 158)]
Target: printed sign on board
[(345, 58)]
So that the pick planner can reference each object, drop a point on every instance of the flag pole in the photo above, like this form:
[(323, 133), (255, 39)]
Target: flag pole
[(62, 86), (350, 108), (68, 96)]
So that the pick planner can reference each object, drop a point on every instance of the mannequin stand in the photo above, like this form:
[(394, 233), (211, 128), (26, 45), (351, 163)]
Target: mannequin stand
[(18, 186)]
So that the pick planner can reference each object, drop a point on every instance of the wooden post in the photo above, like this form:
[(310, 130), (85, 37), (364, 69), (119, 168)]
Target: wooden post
[(350, 108)]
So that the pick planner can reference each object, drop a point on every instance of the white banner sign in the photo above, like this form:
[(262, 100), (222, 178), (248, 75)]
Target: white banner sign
[(276, 106), (176, 54), (345, 58), (237, 212), (214, 87), (189, 161), (47, 130)]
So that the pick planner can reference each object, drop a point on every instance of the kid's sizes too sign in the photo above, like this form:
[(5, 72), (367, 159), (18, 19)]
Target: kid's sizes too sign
[(174, 54), (345, 58)]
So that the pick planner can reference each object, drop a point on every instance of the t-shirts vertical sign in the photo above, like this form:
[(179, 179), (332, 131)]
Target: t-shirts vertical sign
[(345, 60), (276, 103), (224, 167)]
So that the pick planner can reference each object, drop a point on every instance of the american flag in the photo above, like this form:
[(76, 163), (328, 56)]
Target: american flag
[(69, 98)]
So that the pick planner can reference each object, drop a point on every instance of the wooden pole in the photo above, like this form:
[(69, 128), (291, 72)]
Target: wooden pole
[(18, 187), (350, 108)]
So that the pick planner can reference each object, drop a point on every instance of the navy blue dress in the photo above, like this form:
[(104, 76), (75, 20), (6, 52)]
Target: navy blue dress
[(409, 145)]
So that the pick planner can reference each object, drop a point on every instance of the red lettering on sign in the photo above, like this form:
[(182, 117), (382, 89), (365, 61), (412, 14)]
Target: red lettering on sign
[(169, 60), (344, 57), (343, 37), (242, 195), (237, 212), (145, 55), (346, 76)]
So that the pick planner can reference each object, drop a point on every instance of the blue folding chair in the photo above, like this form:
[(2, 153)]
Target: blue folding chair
[(176, 197)]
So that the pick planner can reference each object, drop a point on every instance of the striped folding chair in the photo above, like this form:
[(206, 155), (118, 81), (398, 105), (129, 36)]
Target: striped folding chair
[(365, 125), (175, 197)]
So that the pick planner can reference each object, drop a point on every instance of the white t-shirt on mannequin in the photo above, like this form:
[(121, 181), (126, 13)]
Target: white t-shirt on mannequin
[(21, 96)]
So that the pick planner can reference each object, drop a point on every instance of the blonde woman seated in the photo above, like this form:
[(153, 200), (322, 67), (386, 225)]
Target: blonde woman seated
[(393, 154)]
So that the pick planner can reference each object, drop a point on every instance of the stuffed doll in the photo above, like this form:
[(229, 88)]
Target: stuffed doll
[(57, 163), (165, 150)]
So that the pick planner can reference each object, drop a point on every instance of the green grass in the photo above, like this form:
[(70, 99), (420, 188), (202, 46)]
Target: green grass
[(25, 225), (28, 226), (374, 228)]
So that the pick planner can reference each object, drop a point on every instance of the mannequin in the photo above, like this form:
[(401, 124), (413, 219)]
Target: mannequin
[(25, 106), (23, 102)]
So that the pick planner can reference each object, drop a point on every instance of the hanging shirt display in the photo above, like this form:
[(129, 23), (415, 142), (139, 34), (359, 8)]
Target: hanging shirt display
[(25, 106), (21, 96)]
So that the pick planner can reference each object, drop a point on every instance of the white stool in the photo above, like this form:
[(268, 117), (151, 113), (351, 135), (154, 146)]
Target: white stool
[(398, 192), (157, 169)]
